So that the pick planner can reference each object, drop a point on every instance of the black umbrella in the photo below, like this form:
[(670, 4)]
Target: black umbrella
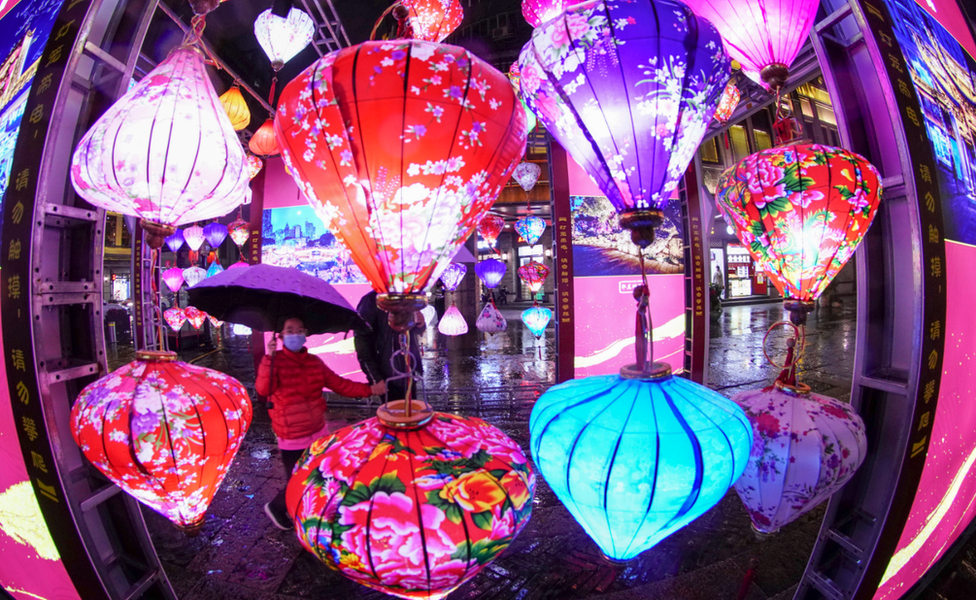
[(260, 296)]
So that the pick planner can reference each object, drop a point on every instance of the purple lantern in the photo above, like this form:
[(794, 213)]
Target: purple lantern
[(173, 278), (531, 229), (452, 276), (215, 234), (194, 237), (175, 241), (490, 272), (193, 276), (628, 89)]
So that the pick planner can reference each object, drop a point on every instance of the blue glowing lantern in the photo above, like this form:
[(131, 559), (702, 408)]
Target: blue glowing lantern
[(537, 319), (531, 229), (490, 272), (214, 269), (637, 456), (452, 276), (215, 234)]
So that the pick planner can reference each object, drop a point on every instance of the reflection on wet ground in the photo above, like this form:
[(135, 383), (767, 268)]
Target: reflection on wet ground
[(240, 555)]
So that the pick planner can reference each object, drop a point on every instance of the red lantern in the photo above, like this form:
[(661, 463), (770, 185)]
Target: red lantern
[(489, 228), (433, 20), (263, 141), (195, 316), (534, 274), (728, 102), (164, 431)]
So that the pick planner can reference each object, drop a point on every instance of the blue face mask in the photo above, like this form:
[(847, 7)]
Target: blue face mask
[(294, 341)]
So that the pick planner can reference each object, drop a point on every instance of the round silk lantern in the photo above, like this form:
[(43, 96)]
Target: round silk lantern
[(215, 233), (452, 276), (282, 38), (763, 35), (174, 317), (634, 460), (193, 276), (490, 272), (173, 278), (413, 514), (254, 166), (171, 117), (402, 208), (452, 323), (533, 274), (236, 107), (175, 241), (537, 12), (628, 89), (491, 320), (164, 431), (214, 269), (728, 102), (527, 174), (489, 227), (238, 231), (433, 20), (807, 447), (537, 319), (263, 141), (194, 237), (530, 229), (238, 265), (801, 210)]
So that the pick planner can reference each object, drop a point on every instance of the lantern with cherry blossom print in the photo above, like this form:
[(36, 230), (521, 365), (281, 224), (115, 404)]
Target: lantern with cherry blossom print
[(238, 231), (530, 229), (432, 20), (489, 227), (807, 446), (628, 89), (527, 174), (490, 272), (215, 233), (452, 276), (194, 237), (282, 38), (413, 514), (533, 274), (726, 106), (254, 166), (452, 323), (537, 12), (193, 275), (173, 278), (171, 117), (164, 431), (175, 241), (174, 317), (263, 142), (195, 316), (236, 107), (537, 319), (491, 320)]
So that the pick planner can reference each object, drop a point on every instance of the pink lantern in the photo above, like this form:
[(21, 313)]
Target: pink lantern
[(453, 323), (238, 231), (195, 316), (172, 117), (433, 20), (537, 12), (490, 226), (193, 276), (533, 274), (238, 265), (527, 174), (173, 278), (763, 35), (728, 102), (491, 320), (806, 447), (254, 166), (174, 317), (194, 237)]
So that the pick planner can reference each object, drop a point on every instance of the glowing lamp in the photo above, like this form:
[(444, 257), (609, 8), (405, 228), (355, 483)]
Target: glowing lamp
[(238, 265), (490, 226), (214, 268), (763, 35), (195, 316), (728, 102), (452, 276), (193, 276), (537, 319), (173, 278), (801, 211), (215, 233), (491, 320), (433, 20), (807, 447), (530, 229), (175, 241), (402, 209), (420, 511), (194, 237), (282, 38), (164, 431), (526, 174), (634, 460), (254, 166), (533, 274), (263, 141), (171, 117), (537, 12), (174, 317), (215, 322), (452, 323), (238, 231), (490, 272), (239, 329), (236, 108), (609, 82)]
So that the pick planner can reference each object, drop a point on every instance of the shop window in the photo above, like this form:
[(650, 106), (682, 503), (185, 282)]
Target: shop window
[(826, 114)]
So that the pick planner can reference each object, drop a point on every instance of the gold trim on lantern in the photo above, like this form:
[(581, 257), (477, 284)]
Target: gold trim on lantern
[(393, 414), (401, 308), (800, 389), (156, 356), (657, 371)]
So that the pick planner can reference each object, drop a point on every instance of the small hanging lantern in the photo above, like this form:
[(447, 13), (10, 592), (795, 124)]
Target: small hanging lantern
[(537, 12), (490, 272), (254, 166), (194, 237), (214, 322), (726, 106), (174, 317), (530, 229), (215, 233), (175, 241), (193, 276), (432, 20), (489, 227), (452, 276), (526, 174), (164, 431), (491, 320), (236, 107), (537, 319), (533, 274), (452, 323), (282, 38), (263, 141), (238, 265), (173, 278), (195, 316), (214, 268), (238, 231)]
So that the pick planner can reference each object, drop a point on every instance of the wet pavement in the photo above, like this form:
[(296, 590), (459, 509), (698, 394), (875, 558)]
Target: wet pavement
[(241, 555)]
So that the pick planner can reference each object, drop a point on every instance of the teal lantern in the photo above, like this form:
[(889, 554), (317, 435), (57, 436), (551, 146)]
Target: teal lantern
[(214, 269), (537, 319), (637, 456)]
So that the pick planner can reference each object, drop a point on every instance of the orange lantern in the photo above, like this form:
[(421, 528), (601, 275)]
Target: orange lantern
[(236, 107), (263, 141)]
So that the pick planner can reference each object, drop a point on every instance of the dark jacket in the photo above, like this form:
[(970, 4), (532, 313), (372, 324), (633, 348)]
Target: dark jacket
[(375, 348)]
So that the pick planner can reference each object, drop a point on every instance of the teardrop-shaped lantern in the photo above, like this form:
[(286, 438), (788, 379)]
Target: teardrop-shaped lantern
[(214, 268), (193, 275), (728, 102), (282, 38), (401, 208), (195, 316), (263, 141), (635, 460), (165, 152), (537, 12), (236, 108), (490, 272), (801, 211), (763, 35), (175, 241), (238, 231), (537, 319), (452, 276), (530, 229), (628, 89), (491, 320), (452, 323), (254, 165), (215, 233), (420, 511), (173, 278), (807, 447), (433, 20), (194, 237), (214, 321), (526, 174), (164, 431), (533, 274), (489, 227), (174, 317)]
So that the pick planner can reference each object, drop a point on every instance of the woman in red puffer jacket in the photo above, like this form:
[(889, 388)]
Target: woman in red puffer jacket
[(298, 409)]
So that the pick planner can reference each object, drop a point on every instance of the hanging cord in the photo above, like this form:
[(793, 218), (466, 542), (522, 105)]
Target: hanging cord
[(157, 309), (194, 39), (274, 84), (405, 373), (644, 326)]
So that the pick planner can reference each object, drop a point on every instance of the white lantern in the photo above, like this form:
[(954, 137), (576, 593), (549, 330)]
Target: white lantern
[(283, 37)]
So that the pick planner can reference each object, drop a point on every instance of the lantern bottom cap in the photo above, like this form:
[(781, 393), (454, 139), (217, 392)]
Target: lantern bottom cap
[(762, 536), (655, 372), (193, 529), (615, 562), (775, 75), (394, 414), (798, 310)]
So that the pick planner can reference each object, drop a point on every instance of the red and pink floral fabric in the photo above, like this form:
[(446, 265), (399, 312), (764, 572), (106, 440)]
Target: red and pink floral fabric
[(433, 20)]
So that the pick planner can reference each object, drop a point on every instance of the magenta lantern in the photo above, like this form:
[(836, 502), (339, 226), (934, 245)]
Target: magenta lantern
[(215, 234), (537, 12), (238, 265), (173, 278), (194, 237)]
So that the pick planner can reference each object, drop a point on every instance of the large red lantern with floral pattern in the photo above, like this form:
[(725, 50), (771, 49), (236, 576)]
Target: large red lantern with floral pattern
[(411, 513)]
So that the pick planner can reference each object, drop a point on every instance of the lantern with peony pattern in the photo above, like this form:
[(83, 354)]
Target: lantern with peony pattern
[(174, 317), (452, 323), (628, 89), (195, 316), (175, 241), (413, 514), (489, 227), (236, 107), (537, 319), (452, 276), (238, 231), (193, 275), (490, 272), (537, 12), (254, 166), (282, 38), (263, 142), (531, 229), (215, 233), (533, 274), (527, 174), (491, 320), (194, 237), (164, 431), (173, 278), (432, 20), (726, 106), (171, 117)]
